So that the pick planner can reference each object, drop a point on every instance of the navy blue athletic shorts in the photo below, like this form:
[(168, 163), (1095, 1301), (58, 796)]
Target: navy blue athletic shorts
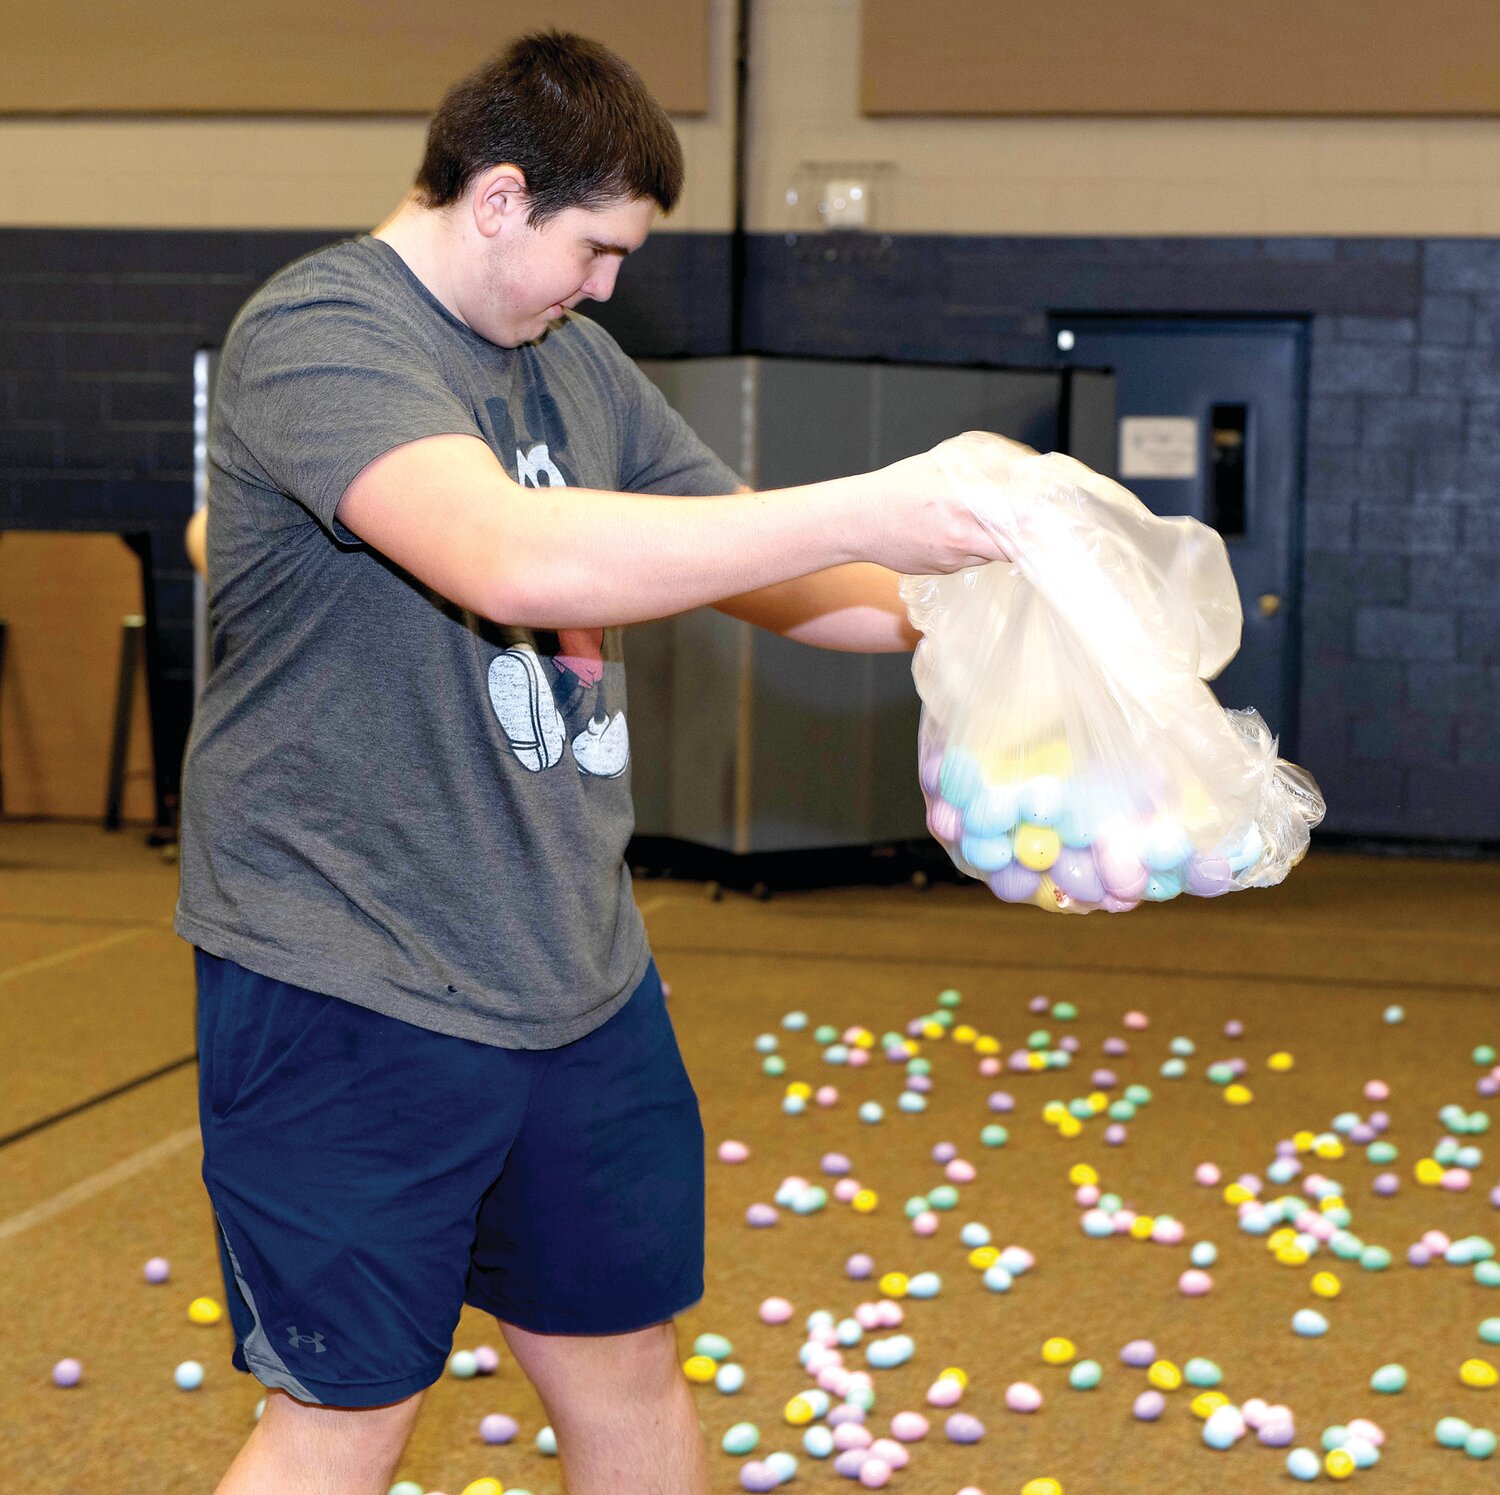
[(370, 1177)]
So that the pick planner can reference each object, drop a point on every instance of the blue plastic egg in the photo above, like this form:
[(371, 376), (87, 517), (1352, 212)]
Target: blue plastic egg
[(960, 778), (1162, 886), (993, 810), (986, 853)]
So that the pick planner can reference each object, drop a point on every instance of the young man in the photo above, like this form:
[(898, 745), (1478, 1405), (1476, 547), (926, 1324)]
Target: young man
[(436, 1067)]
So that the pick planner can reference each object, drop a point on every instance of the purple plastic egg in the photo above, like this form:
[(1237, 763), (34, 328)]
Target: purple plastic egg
[(759, 1216), (1116, 1048), (1015, 883), (1139, 1353), (1104, 1079), (945, 821), (963, 1428), (498, 1428), (758, 1476), (849, 1461), (1114, 1134), (1075, 873), (944, 1152), (1002, 1101), (1207, 877), (1149, 1405), (487, 1358)]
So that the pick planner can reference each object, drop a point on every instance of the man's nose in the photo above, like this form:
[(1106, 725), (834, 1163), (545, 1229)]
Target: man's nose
[(600, 285)]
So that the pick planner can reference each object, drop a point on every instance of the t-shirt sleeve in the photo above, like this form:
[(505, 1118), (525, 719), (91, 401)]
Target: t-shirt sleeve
[(322, 389), (659, 451)]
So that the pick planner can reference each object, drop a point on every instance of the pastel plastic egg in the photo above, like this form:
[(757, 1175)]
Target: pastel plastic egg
[(1479, 1374), (962, 1428), (1303, 1464), (67, 1373), (1075, 873), (1164, 846), (944, 820), (1208, 877), (1139, 1353), (1161, 887), (204, 1311), (1200, 1372), (1248, 852), (463, 1365), (1339, 1463), (1194, 1284), (1015, 883), (818, 1442), (1037, 846), (188, 1375), (1022, 1396), (756, 1475), (742, 1438), (498, 1428), (1075, 826), (987, 853), (909, 1427), (1309, 1323), (1480, 1444), (993, 811), (1149, 1406), (1042, 800), (157, 1269), (700, 1369), (1085, 1375), (1164, 1376), (1121, 871), (959, 778), (486, 1486), (1058, 1351)]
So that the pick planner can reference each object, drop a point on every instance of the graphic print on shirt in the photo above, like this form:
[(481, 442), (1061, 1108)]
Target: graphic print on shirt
[(540, 700)]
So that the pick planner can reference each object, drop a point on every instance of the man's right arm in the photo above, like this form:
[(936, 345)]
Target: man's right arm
[(446, 511)]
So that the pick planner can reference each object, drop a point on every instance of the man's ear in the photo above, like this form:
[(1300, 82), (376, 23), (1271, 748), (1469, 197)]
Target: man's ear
[(498, 197)]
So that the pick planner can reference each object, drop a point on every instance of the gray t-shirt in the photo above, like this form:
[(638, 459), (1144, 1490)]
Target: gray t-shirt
[(385, 798)]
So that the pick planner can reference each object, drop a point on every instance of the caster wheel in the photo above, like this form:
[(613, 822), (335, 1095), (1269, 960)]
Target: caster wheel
[(714, 893), (760, 892), (920, 881)]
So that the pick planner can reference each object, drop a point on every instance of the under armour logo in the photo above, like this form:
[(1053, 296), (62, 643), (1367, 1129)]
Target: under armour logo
[(298, 1340)]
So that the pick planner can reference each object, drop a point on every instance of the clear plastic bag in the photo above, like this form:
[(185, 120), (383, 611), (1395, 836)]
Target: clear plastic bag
[(1070, 752)]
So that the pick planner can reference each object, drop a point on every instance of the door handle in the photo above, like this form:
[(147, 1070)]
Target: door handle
[(1269, 604)]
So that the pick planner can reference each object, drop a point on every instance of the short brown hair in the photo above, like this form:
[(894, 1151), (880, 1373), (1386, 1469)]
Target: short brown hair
[(572, 115)]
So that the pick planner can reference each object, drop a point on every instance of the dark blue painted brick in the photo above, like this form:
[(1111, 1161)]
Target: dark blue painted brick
[(1402, 633), (1384, 251), (1414, 423), (1481, 530), (1479, 741), (1483, 434), (1301, 251), (1460, 802), (29, 447), (1443, 371), (1392, 529), (1350, 476), (1404, 737), (1328, 527), (1362, 368), (1452, 687), (1355, 579), (1447, 317), (1479, 635), (1462, 579), (1462, 265), (1332, 420), (1375, 329)]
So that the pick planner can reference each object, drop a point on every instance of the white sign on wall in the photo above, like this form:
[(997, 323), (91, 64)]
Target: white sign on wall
[(1158, 446)]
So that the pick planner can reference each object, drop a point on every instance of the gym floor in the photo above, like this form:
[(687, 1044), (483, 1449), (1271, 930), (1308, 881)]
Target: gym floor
[(99, 1165)]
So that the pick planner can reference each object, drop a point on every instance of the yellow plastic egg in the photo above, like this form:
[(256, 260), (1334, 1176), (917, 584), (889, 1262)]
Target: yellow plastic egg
[(1339, 1463), (982, 1258), (1292, 1256), (1326, 1285), (1141, 1228), (1070, 1126), (963, 1033), (1206, 1403), (1041, 1487), (1058, 1351), (932, 1030), (1082, 1173), (864, 1039), (1036, 1060), (1098, 1101), (1428, 1171), (1281, 1062), (1303, 1141), (1164, 1375), (1330, 1203), (486, 1486), (894, 1284), (987, 1045), (1237, 1194), (864, 1201), (1054, 1111), (1238, 1095), (1329, 1147), (1054, 761), (801, 1089), (700, 1368), (1478, 1373), (204, 1311), (1279, 1240), (799, 1412), (1037, 846), (954, 1373)]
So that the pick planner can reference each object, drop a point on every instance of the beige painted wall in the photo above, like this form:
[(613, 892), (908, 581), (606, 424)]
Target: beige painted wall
[(1396, 177), (288, 173), (1114, 176)]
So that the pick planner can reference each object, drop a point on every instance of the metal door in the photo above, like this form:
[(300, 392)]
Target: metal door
[(1209, 423)]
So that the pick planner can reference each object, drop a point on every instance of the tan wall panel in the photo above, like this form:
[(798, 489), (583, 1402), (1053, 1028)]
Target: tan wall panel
[(63, 597), (1100, 176), (316, 56), (1156, 57)]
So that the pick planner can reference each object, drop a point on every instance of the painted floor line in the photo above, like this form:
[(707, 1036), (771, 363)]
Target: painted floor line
[(62, 957), (91, 1188)]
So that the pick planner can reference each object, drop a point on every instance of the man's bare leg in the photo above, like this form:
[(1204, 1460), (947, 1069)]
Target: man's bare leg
[(617, 1403), (297, 1449)]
